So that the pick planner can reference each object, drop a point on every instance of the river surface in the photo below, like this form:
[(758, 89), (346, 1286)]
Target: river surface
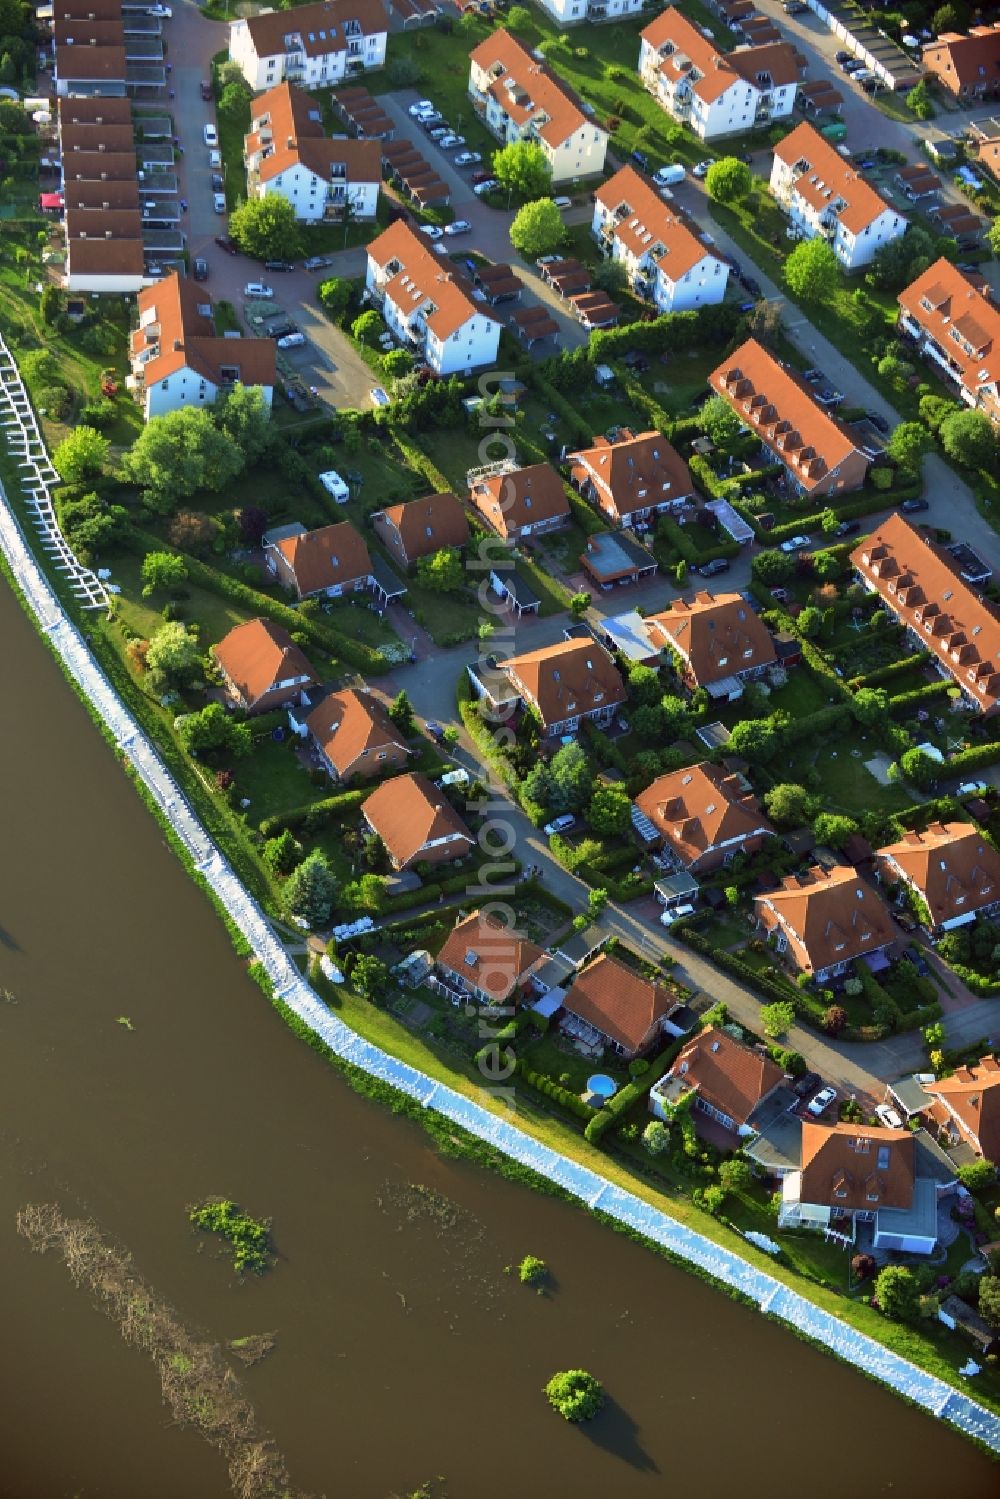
[(403, 1350)]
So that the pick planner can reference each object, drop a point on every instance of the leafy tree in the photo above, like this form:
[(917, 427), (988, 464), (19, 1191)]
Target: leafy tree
[(656, 1137), (934, 409), (50, 303), (398, 363), (579, 604), (177, 455), (596, 902), (610, 276), (162, 570), (719, 421), (829, 520), (311, 889), (647, 721), (920, 101), (896, 264), (897, 1293), (572, 778), (370, 976), (172, 657), (523, 167), (777, 1018), (729, 180), (968, 438), (518, 18), (90, 525), (789, 805), (235, 97), (644, 684), (212, 728), (537, 229), (976, 1176), (283, 853), (266, 228), (575, 1394), (674, 715), (950, 17), (537, 785), (243, 415), (809, 622), (401, 713), (334, 296), (907, 445), (368, 328), (826, 565), (442, 571), (919, 767), (772, 567), (833, 829), (834, 1019), (82, 455), (610, 810), (993, 237), (870, 705), (989, 1298), (192, 531), (863, 1266), (735, 1175), (812, 271), (894, 368), (755, 738)]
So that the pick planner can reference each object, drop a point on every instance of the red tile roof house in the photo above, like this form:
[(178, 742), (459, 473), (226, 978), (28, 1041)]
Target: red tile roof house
[(825, 919), (958, 330), (486, 960), (720, 640), (416, 822), (951, 867), (826, 197), (611, 1005), (262, 667), (971, 1097), (728, 1080), (633, 479), (287, 155), (920, 586), (967, 66), (521, 501), (702, 816), (333, 560), (819, 454), (419, 528), (567, 684), (354, 736)]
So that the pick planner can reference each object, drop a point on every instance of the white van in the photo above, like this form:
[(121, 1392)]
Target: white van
[(677, 913), (259, 290), (669, 176)]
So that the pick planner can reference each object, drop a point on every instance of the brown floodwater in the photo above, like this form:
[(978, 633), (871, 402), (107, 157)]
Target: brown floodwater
[(403, 1350)]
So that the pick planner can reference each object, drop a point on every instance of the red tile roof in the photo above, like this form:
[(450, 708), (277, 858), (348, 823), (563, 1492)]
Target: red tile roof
[(526, 88), (426, 525), (701, 808), (718, 635), (320, 559), (567, 680), (183, 337), (827, 916), (618, 1002), (973, 1092), (859, 1168), (407, 812), (824, 177), (963, 323), (488, 955), (520, 497), (729, 1076), (423, 279), (319, 26), (921, 585), (697, 60), (352, 726), (952, 867), (286, 128), (636, 473), (644, 224), (966, 62), (256, 656)]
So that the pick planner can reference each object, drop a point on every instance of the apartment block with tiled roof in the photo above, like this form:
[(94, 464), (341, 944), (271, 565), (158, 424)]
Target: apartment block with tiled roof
[(177, 357), (921, 588), (355, 737), (518, 502), (288, 155), (333, 560), (519, 98), (969, 1106), (416, 822), (729, 1082), (316, 45), (951, 867), (968, 66), (825, 196), (428, 304), (957, 328), (262, 667), (701, 816), (820, 455), (566, 684), (716, 93), (487, 960), (610, 1004), (105, 251), (825, 919), (419, 528), (100, 51), (665, 261), (633, 478), (720, 640), (573, 12)]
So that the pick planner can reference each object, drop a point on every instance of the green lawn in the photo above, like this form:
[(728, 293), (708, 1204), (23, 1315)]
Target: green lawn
[(360, 621), (273, 780), (555, 1057), (846, 785), (444, 615), (214, 614)]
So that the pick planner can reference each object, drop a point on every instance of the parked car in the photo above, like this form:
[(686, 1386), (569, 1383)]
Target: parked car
[(218, 182), (460, 226), (431, 230), (219, 202), (972, 788), (210, 135), (206, 90), (379, 396), (335, 486), (888, 1117), (840, 57), (481, 176), (753, 286), (215, 160), (435, 731), (805, 1084), (701, 170), (903, 919), (225, 243), (199, 268), (259, 290), (717, 565), (814, 376), (291, 341), (489, 186), (676, 913), (438, 131), (870, 85), (450, 141), (559, 824), (422, 107), (795, 543), (430, 119), (562, 202), (641, 160), (918, 960), (282, 330), (818, 1105), (278, 265), (848, 528), (161, 12), (669, 176), (795, 8), (878, 421), (910, 507), (468, 159), (316, 262)]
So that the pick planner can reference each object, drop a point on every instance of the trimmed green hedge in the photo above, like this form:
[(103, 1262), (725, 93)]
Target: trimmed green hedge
[(771, 986), (632, 1092), (321, 811), (904, 700), (682, 541), (560, 1095), (855, 510), (974, 757), (892, 669)]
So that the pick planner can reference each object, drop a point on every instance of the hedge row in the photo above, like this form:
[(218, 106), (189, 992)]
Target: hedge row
[(632, 1092), (419, 461), (770, 986), (578, 428), (705, 328), (904, 700), (322, 811), (892, 669), (855, 510), (974, 757), (543, 1084), (680, 539)]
